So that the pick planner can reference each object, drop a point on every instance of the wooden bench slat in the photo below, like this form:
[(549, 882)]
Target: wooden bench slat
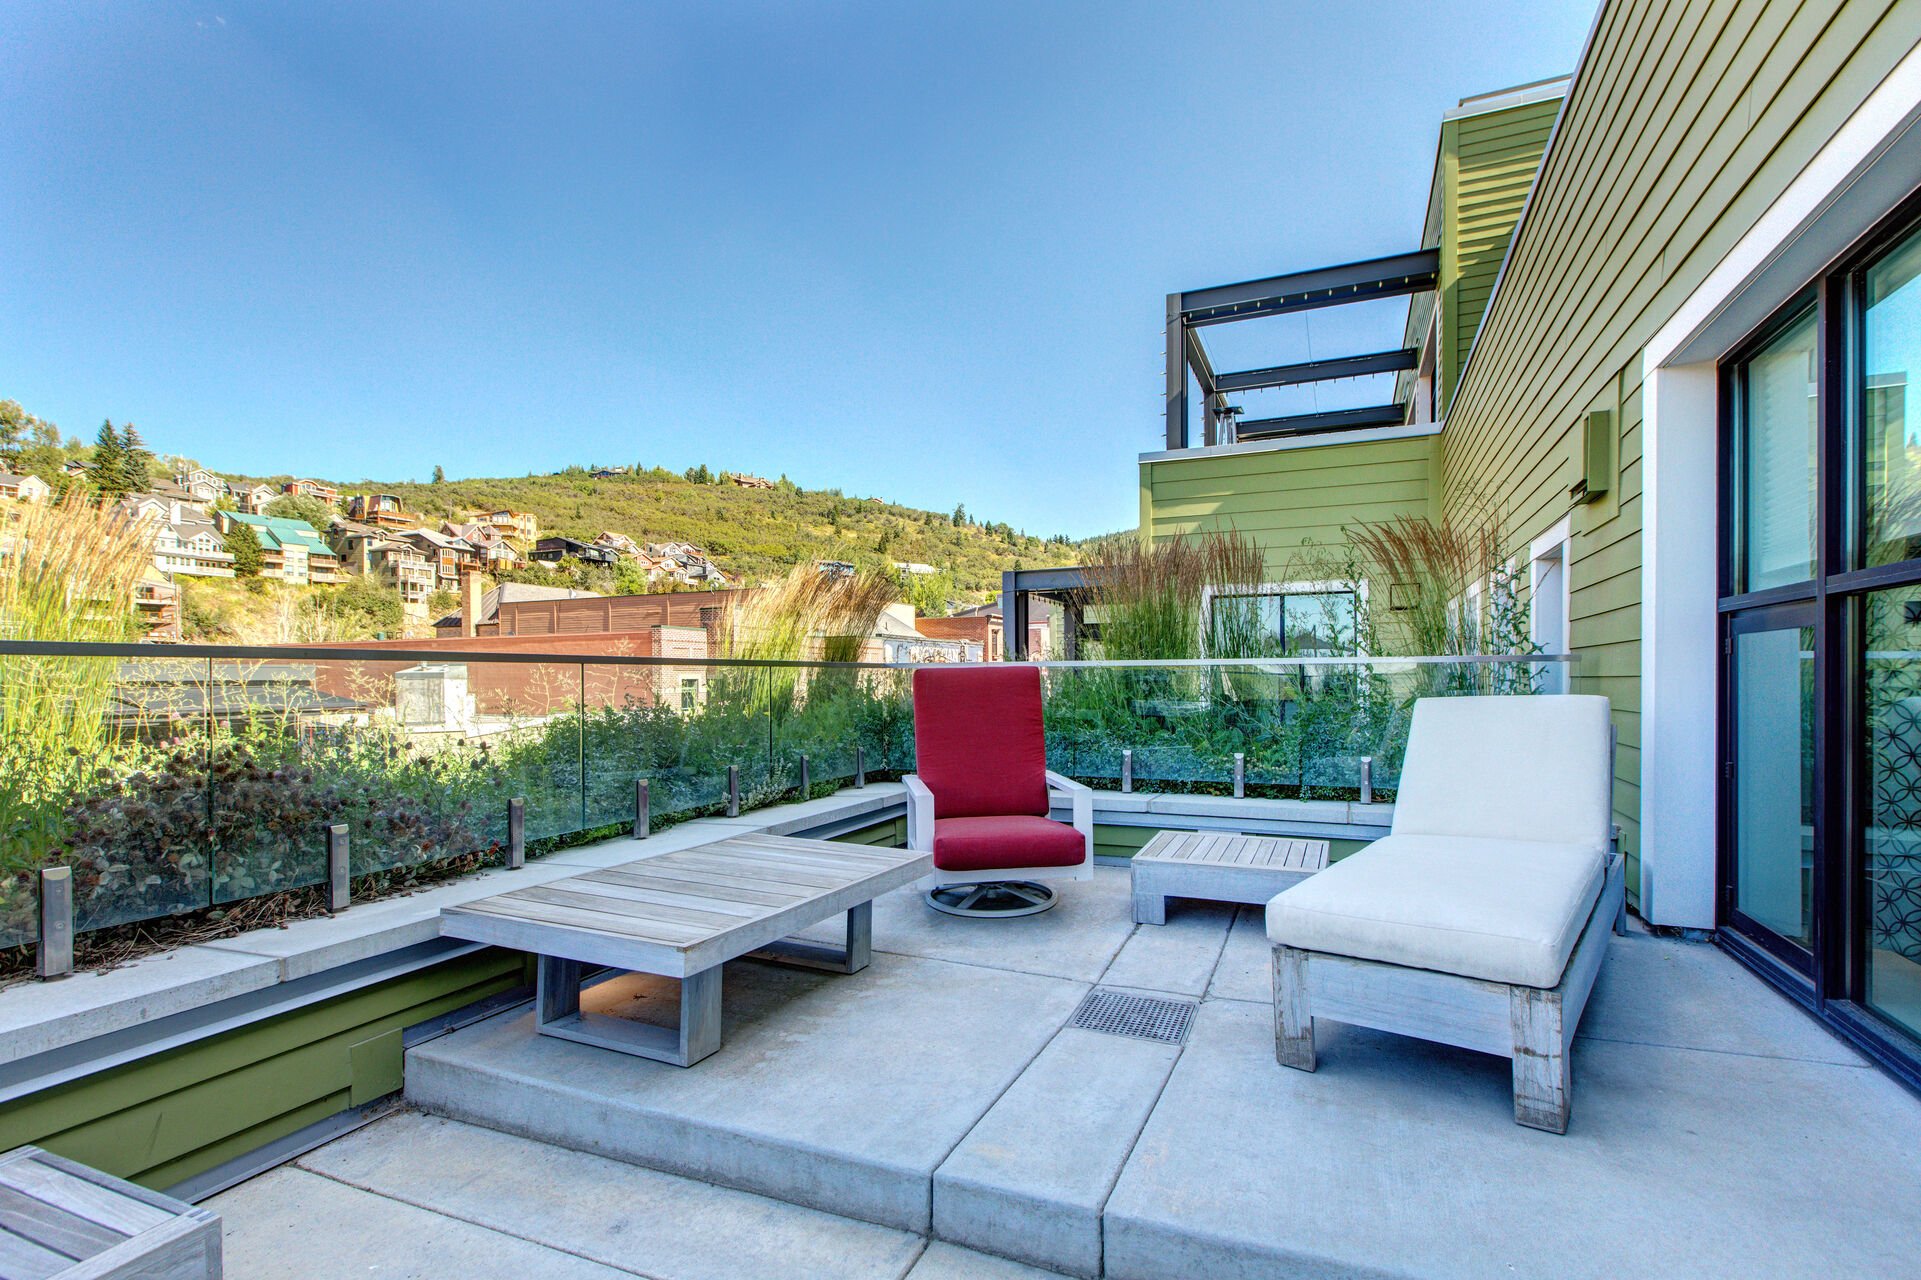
[(22, 1259), (634, 898), (53, 1227), (711, 886), (653, 931), (805, 877), (81, 1197)]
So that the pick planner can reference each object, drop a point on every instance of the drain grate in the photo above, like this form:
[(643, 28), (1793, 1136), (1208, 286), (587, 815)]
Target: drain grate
[(1142, 1017)]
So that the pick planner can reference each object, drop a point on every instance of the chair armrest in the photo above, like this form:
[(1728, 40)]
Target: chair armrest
[(920, 814), (1081, 797)]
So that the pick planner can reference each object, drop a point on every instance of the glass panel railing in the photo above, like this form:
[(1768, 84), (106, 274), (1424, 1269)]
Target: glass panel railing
[(677, 727), (1301, 729), (103, 767), (172, 782)]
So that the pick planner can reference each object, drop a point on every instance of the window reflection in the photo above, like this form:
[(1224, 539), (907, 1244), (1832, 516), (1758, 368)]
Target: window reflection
[(1891, 331)]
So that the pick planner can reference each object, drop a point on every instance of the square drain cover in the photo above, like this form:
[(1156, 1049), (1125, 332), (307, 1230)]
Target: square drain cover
[(1142, 1017)]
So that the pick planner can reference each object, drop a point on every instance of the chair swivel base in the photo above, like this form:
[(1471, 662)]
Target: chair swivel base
[(993, 900)]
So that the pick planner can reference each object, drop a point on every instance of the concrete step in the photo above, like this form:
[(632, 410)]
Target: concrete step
[(833, 1093), (417, 1195)]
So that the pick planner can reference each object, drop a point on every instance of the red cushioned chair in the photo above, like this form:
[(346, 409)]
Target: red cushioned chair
[(980, 798)]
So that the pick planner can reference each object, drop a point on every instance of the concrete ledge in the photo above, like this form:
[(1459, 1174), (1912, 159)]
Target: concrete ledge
[(38, 1016)]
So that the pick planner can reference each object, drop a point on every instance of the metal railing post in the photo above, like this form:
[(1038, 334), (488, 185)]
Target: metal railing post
[(1127, 771), (1367, 779), (641, 816), (806, 777), (55, 954), (1240, 775), (338, 883), (733, 791), (860, 766), (517, 832)]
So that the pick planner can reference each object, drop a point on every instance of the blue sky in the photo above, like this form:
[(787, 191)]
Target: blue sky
[(917, 251)]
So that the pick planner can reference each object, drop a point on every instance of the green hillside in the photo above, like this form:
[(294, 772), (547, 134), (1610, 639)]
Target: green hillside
[(755, 534)]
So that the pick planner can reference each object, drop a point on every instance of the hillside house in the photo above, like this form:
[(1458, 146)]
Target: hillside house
[(488, 542), (451, 557), (688, 564), (252, 498), (189, 545), (364, 549), (15, 488), (201, 485), (555, 549), (383, 509), (156, 601), (313, 489), (294, 550), (621, 543), (752, 482), (521, 526)]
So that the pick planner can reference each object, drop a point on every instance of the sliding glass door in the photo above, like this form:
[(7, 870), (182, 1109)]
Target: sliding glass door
[(1821, 649)]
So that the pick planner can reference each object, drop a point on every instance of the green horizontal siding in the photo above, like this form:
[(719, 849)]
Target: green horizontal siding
[(1688, 119), (1487, 167), (1288, 500), (168, 1117)]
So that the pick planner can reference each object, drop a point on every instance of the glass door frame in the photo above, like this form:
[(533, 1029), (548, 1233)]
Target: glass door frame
[(1831, 982)]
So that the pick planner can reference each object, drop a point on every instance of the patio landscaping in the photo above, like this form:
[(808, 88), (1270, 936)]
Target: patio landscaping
[(889, 1122)]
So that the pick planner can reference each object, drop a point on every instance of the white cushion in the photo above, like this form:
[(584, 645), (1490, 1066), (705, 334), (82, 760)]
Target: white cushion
[(1529, 767), (1504, 910)]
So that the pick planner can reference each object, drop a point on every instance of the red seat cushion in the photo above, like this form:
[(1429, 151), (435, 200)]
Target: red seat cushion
[(978, 741), (994, 844)]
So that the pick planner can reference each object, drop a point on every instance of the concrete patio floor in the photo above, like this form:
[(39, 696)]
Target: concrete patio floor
[(940, 1094)]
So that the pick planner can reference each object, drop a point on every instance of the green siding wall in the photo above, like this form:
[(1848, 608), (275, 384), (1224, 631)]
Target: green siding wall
[(166, 1118), (1285, 499), (1688, 119), (1487, 165)]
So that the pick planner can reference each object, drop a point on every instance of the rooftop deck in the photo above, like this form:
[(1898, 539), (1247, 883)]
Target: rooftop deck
[(941, 1095)]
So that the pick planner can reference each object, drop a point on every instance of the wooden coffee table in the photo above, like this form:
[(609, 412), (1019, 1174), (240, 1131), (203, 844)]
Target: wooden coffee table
[(1220, 867), (682, 915)]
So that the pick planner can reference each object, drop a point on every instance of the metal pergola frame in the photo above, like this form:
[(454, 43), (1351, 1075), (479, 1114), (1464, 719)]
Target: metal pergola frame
[(1189, 312)]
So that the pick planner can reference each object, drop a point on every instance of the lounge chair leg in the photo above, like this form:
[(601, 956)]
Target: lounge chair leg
[(1293, 1020), (1542, 1084)]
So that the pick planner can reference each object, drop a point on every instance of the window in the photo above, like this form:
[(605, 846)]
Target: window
[(1775, 411), (689, 692), (1294, 620)]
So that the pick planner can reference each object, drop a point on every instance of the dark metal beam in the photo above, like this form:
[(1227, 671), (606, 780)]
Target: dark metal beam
[(1176, 375), (1304, 290), (1198, 361), (1385, 415), (1287, 375)]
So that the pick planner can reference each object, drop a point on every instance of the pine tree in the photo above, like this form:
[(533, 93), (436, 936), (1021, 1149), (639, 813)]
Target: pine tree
[(134, 459), (108, 466), (440, 476), (243, 544)]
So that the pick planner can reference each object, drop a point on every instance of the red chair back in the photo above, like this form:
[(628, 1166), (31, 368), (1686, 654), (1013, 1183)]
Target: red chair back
[(978, 741)]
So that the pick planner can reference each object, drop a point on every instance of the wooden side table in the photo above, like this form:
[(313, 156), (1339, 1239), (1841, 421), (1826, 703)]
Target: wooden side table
[(1220, 867)]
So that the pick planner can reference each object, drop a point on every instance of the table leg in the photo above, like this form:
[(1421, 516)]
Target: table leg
[(851, 957), (557, 1012)]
